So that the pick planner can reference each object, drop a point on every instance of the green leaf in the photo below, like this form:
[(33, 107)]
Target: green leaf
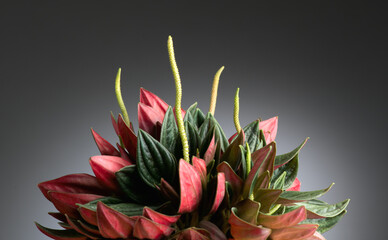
[(61, 234), (169, 134), (233, 153), (325, 224), (134, 187), (209, 125), (198, 117), (279, 182), (154, 161), (291, 169), (323, 209), (284, 158), (190, 112), (192, 137), (267, 197), (240, 157), (288, 197), (129, 209)]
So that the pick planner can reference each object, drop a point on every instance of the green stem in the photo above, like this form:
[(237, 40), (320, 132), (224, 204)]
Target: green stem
[(274, 209), (120, 98), (213, 98), (236, 111), (178, 100), (249, 160)]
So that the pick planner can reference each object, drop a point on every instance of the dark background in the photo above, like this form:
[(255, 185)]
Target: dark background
[(318, 65)]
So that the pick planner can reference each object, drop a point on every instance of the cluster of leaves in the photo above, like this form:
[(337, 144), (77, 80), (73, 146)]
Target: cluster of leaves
[(236, 188)]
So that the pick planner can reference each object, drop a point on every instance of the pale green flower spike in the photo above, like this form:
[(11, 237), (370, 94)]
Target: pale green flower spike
[(236, 111), (213, 98), (120, 98), (248, 159), (178, 100)]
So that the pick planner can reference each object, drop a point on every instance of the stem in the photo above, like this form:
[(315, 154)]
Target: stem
[(274, 209), (236, 112), (213, 98), (248, 159), (178, 100), (120, 98)]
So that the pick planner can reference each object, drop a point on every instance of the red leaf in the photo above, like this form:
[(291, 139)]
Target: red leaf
[(73, 183), (193, 234), (104, 167), (88, 215), (61, 234), (211, 151), (190, 186), (104, 146), (150, 99), (79, 228), (316, 236), (263, 160), (159, 217), (200, 166), (220, 192), (66, 202), (168, 191), (113, 224), (114, 123), (145, 228), (285, 220), (58, 216), (231, 177), (242, 230), (270, 129), (213, 230), (148, 118), (295, 186), (124, 155), (248, 211), (298, 232), (127, 136)]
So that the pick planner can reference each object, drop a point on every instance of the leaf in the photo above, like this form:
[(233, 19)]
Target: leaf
[(270, 128), (242, 230), (297, 232), (113, 224), (159, 217), (248, 211), (134, 187), (190, 186), (198, 117), (154, 161), (266, 197), (169, 134), (104, 167), (288, 197), (214, 231), (61, 234), (279, 182), (192, 137), (103, 145), (210, 152), (252, 136), (76, 225), (323, 209), (219, 193), (232, 178), (325, 224), (210, 124), (232, 154), (192, 233), (284, 158), (291, 170), (147, 229), (282, 221), (127, 136)]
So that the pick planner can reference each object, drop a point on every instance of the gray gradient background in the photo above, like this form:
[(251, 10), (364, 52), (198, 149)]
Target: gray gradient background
[(318, 65)]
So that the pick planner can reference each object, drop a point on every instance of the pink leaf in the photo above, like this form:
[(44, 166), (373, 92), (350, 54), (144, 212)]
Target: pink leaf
[(113, 224), (128, 137), (190, 186), (231, 177), (61, 234), (150, 99), (193, 234), (295, 186), (214, 231), (79, 228), (159, 217), (66, 202), (200, 166), (242, 230), (285, 220), (114, 123), (270, 129), (145, 228), (73, 183), (298, 232), (316, 236), (104, 146), (148, 119), (220, 192), (104, 167), (124, 155), (88, 215), (211, 151)]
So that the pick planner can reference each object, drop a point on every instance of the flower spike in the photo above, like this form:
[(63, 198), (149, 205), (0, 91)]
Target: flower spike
[(213, 98), (178, 99), (236, 111), (120, 98)]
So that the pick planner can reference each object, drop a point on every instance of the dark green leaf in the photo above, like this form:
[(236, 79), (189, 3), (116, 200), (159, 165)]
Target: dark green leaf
[(169, 134), (279, 182), (134, 187), (233, 153), (284, 158), (192, 137), (292, 170), (154, 161), (296, 196), (325, 224)]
